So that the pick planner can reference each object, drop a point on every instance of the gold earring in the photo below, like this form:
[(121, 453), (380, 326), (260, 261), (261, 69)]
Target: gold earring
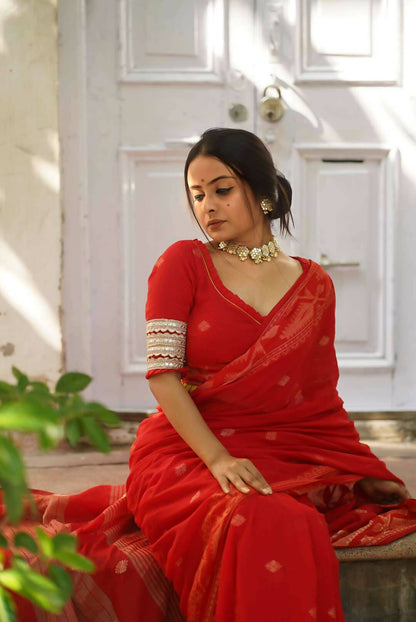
[(266, 205)]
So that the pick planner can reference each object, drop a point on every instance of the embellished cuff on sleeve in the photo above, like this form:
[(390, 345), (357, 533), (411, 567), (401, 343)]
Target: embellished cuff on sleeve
[(166, 342)]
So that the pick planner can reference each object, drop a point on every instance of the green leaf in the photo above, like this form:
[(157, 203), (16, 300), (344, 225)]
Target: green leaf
[(75, 402), (96, 434), (47, 440), (102, 413), (72, 382), (62, 579), (29, 416), (12, 478), (75, 561), (7, 608), (62, 400), (12, 497), (7, 390), (45, 543), (33, 586), (11, 579), (64, 542), (3, 542), (11, 464), (22, 379), (26, 541), (39, 388), (73, 431)]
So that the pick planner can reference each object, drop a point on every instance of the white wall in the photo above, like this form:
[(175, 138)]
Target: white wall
[(30, 212)]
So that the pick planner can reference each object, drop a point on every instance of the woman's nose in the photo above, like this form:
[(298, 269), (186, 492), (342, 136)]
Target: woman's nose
[(209, 204)]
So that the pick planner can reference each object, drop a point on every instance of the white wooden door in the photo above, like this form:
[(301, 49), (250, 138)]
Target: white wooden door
[(150, 76), (347, 141)]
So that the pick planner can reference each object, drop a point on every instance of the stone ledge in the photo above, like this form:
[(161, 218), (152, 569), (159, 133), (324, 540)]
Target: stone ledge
[(380, 584), (67, 458), (385, 426), (379, 590), (403, 548)]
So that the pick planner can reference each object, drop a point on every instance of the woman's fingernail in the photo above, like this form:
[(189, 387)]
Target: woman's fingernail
[(245, 489), (267, 491)]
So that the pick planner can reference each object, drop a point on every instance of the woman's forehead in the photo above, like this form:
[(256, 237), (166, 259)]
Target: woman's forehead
[(205, 168)]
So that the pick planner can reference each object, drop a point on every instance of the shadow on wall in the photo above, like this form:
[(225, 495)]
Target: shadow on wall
[(30, 237)]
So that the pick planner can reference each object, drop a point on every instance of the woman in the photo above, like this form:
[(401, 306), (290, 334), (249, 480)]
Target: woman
[(250, 472)]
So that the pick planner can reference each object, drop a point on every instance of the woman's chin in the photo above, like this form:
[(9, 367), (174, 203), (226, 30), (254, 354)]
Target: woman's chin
[(216, 237)]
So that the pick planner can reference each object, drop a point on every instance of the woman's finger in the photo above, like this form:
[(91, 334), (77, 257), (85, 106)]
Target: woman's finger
[(224, 483), (257, 481), (239, 483)]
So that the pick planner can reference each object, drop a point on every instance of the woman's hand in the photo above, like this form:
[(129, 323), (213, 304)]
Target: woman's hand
[(240, 472), (383, 491)]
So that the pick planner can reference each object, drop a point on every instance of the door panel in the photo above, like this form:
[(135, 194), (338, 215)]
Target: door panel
[(345, 215), (158, 73), (164, 41), (349, 41), (154, 216), (170, 88)]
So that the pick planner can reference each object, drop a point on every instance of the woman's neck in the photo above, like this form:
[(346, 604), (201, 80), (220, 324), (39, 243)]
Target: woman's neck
[(255, 238)]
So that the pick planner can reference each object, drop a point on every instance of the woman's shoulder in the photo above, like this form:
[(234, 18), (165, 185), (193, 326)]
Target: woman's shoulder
[(182, 248), (319, 269), (180, 253), (324, 279), (316, 270), (311, 263)]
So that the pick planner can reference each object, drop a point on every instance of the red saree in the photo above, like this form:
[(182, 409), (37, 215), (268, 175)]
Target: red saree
[(128, 585), (248, 557), (273, 400)]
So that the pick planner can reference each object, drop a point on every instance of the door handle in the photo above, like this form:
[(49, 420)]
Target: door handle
[(325, 262)]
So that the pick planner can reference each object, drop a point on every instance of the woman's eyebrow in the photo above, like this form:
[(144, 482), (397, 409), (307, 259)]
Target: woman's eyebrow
[(213, 181)]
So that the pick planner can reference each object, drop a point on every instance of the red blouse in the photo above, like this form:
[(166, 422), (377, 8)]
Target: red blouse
[(197, 326)]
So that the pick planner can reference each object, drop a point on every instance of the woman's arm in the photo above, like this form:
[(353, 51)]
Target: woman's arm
[(184, 416)]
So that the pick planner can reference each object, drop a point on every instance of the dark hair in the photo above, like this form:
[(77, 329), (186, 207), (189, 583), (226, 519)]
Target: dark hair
[(247, 156)]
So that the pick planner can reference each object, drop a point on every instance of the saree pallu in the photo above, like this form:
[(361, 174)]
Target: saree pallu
[(249, 557), (127, 586)]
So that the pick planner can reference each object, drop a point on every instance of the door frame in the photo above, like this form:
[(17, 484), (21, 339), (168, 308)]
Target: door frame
[(73, 133)]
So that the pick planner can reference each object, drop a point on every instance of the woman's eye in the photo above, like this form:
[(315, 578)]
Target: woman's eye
[(223, 190), (198, 197)]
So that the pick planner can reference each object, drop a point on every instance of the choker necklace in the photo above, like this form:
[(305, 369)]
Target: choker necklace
[(258, 254)]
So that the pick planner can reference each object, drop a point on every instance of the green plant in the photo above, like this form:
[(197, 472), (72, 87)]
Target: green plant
[(30, 407)]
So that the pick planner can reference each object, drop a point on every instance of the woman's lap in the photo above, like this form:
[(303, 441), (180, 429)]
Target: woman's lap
[(197, 539)]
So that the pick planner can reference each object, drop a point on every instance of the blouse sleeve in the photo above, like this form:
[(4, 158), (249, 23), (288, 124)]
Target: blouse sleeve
[(170, 298)]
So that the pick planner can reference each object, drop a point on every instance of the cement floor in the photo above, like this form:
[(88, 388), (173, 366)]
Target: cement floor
[(69, 472)]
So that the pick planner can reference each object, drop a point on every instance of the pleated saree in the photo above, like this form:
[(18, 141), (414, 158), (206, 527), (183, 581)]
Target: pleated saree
[(172, 545), (242, 556)]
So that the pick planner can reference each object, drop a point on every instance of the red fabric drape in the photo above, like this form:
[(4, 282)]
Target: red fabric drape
[(248, 557), (235, 557), (128, 584)]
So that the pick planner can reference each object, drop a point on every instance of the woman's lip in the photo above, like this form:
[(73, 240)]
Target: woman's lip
[(212, 223)]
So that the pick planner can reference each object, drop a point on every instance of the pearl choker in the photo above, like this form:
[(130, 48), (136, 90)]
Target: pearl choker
[(258, 254)]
